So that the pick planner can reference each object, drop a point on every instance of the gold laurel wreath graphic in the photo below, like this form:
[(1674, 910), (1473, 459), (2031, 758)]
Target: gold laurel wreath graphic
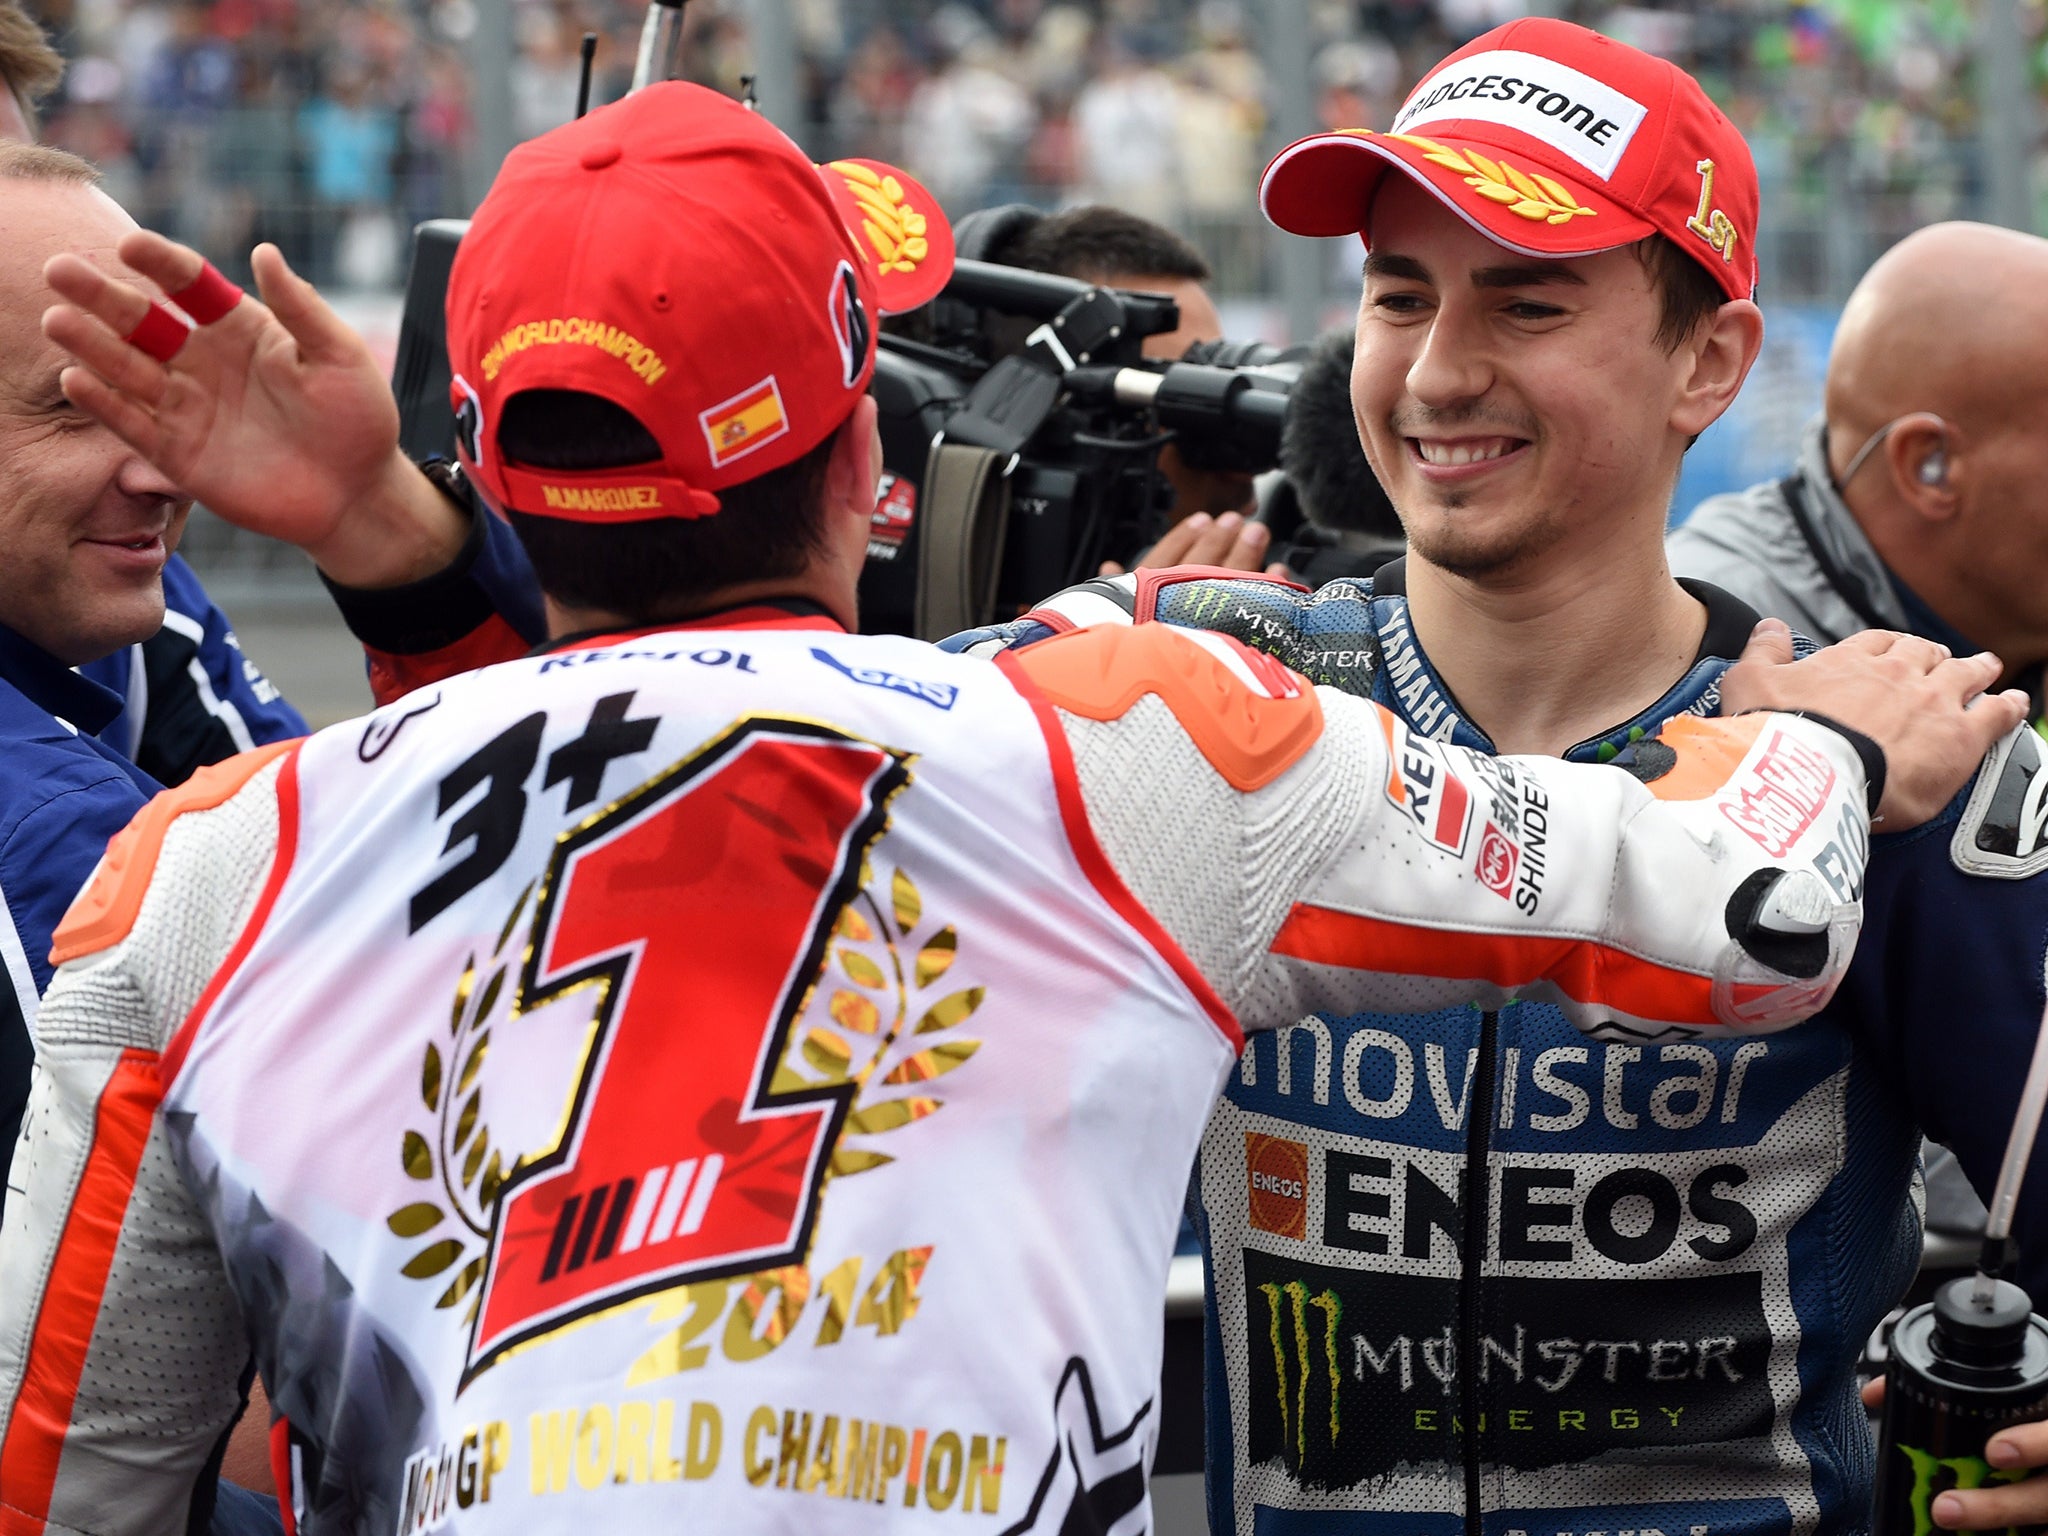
[(896, 230), (890, 974), (855, 1051), (1530, 194), (471, 1170)]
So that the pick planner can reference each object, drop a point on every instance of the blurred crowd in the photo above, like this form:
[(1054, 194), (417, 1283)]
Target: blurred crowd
[(332, 125)]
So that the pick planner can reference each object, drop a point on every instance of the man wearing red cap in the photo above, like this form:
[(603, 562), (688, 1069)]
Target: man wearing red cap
[(543, 1071), (1547, 1286)]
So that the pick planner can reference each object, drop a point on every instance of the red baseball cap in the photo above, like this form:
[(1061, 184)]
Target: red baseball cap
[(1550, 140), (677, 254)]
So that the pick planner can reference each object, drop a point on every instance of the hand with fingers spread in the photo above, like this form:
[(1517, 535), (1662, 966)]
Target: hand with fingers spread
[(1232, 542), (1927, 709), (272, 413)]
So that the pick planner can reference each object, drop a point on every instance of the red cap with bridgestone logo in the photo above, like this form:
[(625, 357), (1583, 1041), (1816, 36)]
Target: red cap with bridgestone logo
[(678, 255), (1551, 140)]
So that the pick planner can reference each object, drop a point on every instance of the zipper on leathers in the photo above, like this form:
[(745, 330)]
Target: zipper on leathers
[(1472, 1258)]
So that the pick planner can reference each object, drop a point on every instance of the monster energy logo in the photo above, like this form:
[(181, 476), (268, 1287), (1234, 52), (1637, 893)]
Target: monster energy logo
[(1295, 1414), (1968, 1471)]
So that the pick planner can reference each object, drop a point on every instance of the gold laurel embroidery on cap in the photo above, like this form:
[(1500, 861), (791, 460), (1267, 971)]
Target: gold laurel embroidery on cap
[(895, 229), (1531, 195)]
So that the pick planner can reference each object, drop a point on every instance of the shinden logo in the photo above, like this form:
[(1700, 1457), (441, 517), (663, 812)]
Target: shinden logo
[(1276, 1173), (1497, 860)]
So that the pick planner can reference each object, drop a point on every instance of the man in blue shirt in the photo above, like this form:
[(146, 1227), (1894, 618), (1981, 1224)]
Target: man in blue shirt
[(86, 532)]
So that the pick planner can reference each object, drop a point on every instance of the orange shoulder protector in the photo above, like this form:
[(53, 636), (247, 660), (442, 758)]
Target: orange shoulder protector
[(105, 911), (1709, 752), (1251, 732)]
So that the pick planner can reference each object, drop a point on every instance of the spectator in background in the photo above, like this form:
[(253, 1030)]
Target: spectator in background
[(30, 69), (546, 74), (868, 107), (966, 126), (1126, 129), (349, 139), (254, 166)]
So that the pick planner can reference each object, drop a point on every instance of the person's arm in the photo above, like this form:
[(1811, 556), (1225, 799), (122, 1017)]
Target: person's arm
[(46, 856), (121, 1342), (483, 607), (1949, 987), (277, 417), (1322, 857)]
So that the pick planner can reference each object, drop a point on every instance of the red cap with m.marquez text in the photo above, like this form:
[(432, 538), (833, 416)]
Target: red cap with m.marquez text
[(677, 254), (1550, 140)]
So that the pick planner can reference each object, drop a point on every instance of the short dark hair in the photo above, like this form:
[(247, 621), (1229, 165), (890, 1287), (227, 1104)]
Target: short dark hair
[(663, 568), (1688, 291), (1095, 243)]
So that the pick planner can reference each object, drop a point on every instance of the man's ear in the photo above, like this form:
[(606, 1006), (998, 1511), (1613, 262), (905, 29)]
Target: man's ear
[(1928, 466), (854, 470), (1714, 361)]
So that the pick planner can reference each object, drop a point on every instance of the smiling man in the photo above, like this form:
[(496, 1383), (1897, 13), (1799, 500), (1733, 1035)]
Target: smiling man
[(87, 527), (1468, 1275)]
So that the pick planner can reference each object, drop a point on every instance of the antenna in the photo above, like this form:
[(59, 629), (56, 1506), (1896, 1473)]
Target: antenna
[(747, 97), (583, 85), (2019, 1147), (661, 44)]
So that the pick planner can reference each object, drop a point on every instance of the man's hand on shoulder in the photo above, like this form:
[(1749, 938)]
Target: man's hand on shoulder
[(275, 415), (1926, 709)]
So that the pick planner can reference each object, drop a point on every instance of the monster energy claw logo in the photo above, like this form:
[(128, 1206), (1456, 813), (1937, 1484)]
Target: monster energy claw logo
[(1296, 1413), (1968, 1471)]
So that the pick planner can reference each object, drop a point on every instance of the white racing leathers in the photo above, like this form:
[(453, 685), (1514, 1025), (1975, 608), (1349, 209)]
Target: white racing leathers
[(743, 1079)]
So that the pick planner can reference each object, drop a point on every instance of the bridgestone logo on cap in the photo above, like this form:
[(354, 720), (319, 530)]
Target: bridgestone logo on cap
[(1574, 113)]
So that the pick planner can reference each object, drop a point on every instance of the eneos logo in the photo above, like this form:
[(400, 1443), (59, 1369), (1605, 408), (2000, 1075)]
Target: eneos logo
[(1276, 1171)]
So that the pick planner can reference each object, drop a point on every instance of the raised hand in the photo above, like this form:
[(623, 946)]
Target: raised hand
[(275, 415)]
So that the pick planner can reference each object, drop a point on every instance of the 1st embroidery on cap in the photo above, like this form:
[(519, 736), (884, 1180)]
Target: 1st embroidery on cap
[(895, 229), (1532, 195)]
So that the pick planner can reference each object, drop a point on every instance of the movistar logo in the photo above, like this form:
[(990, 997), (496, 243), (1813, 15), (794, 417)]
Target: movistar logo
[(1966, 1471), (1294, 1414)]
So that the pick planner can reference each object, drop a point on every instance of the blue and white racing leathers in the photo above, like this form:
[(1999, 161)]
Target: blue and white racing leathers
[(1639, 1275)]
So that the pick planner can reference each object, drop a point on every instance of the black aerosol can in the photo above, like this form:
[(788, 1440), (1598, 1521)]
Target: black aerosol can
[(1969, 1363), (1962, 1368)]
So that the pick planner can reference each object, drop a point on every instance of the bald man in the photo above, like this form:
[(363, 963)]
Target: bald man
[(1918, 500), (1916, 503)]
